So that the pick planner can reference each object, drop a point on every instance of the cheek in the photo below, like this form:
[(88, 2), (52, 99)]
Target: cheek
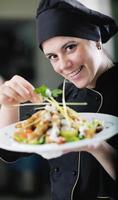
[(55, 68), (89, 62), (80, 57)]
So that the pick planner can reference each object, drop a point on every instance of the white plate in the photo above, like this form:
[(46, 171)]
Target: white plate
[(49, 151)]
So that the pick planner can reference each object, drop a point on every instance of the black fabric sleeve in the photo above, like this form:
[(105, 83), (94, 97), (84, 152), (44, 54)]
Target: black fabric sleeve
[(10, 156)]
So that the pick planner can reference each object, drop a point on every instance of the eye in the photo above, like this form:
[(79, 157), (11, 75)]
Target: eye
[(52, 57), (71, 47)]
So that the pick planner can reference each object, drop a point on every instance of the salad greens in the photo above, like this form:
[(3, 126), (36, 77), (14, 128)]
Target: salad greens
[(49, 95), (46, 92), (59, 125)]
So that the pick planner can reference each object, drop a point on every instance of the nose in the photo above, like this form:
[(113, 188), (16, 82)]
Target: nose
[(64, 64)]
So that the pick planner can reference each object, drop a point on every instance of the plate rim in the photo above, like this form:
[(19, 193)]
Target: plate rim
[(40, 149)]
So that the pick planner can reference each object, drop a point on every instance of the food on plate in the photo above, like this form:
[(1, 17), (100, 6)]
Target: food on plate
[(55, 123)]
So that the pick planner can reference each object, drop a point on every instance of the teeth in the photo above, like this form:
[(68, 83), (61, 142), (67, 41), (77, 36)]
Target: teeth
[(76, 72)]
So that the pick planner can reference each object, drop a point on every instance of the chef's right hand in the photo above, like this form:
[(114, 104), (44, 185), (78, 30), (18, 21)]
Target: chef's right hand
[(17, 90)]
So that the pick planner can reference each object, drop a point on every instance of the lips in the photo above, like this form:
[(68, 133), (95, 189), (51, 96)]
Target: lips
[(75, 73)]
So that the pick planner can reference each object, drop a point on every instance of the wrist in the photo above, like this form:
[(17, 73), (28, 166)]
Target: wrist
[(8, 107), (95, 148)]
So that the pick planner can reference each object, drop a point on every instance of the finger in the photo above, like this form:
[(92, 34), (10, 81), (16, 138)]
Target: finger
[(17, 90), (8, 93), (26, 89), (22, 87), (23, 81)]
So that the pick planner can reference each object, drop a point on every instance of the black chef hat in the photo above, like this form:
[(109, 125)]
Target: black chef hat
[(71, 18)]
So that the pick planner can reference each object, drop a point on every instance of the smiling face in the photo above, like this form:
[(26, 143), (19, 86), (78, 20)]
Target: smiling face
[(77, 60)]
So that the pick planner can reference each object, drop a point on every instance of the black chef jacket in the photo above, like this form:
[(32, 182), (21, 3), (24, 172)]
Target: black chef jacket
[(79, 176)]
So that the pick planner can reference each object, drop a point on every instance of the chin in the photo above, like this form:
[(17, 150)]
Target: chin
[(80, 84)]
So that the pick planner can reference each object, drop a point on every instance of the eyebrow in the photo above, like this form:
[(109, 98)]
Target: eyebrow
[(62, 47)]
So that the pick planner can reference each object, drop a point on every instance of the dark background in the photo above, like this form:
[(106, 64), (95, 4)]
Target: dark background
[(27, 178)]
